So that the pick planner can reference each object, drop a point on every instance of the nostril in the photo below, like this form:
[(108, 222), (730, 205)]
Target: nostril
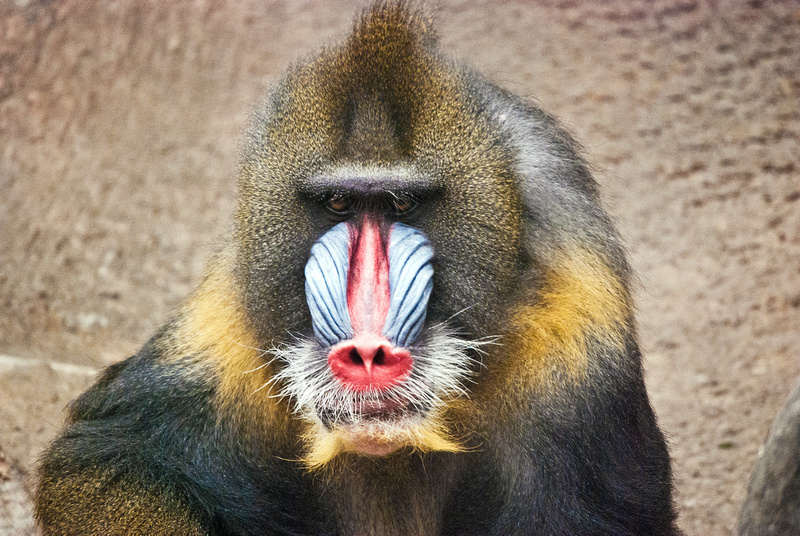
[(380, 358), (355, 357)]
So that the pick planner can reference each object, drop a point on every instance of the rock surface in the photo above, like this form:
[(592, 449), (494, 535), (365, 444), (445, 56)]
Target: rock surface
[(772, 505)]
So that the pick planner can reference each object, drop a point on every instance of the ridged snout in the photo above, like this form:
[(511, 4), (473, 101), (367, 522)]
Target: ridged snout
[(368, 293)]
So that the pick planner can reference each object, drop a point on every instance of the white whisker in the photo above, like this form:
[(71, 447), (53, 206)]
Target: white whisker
[(444, 365), (261, 366)]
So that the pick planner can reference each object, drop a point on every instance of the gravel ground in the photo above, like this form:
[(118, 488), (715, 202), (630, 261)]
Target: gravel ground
[(118, 130)]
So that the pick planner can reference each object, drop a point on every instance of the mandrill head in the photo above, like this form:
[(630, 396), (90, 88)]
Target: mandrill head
[(378, 237)]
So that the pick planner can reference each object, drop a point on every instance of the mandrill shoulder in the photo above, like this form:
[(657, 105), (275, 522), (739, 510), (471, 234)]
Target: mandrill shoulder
[(202, 370), (156, 429), (138, 406), (129, 426)]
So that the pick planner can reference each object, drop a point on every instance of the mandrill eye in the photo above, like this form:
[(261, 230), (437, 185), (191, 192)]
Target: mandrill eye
[(340, 206), (402, 205)]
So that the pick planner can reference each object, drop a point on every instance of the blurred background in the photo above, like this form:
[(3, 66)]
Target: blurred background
[(119, 124)]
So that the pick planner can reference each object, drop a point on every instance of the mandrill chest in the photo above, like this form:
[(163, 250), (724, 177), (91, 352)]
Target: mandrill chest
[(421, 495)]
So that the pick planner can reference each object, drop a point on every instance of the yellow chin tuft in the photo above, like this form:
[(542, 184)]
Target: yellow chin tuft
[(376, 439)]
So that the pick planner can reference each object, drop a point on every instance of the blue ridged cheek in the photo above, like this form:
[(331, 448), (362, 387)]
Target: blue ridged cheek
[(326, 286), (410, 285)]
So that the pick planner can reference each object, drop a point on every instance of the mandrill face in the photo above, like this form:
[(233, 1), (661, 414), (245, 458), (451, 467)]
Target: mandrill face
[(373, 379)]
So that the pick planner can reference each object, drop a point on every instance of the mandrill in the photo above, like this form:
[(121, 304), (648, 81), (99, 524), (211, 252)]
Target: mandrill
[(420, 325)]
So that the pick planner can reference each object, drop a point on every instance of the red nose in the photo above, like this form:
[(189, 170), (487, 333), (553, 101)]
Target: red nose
[(369, 362)]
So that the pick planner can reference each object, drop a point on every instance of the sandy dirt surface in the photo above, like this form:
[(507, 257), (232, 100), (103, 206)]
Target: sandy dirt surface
[(118, 136)]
